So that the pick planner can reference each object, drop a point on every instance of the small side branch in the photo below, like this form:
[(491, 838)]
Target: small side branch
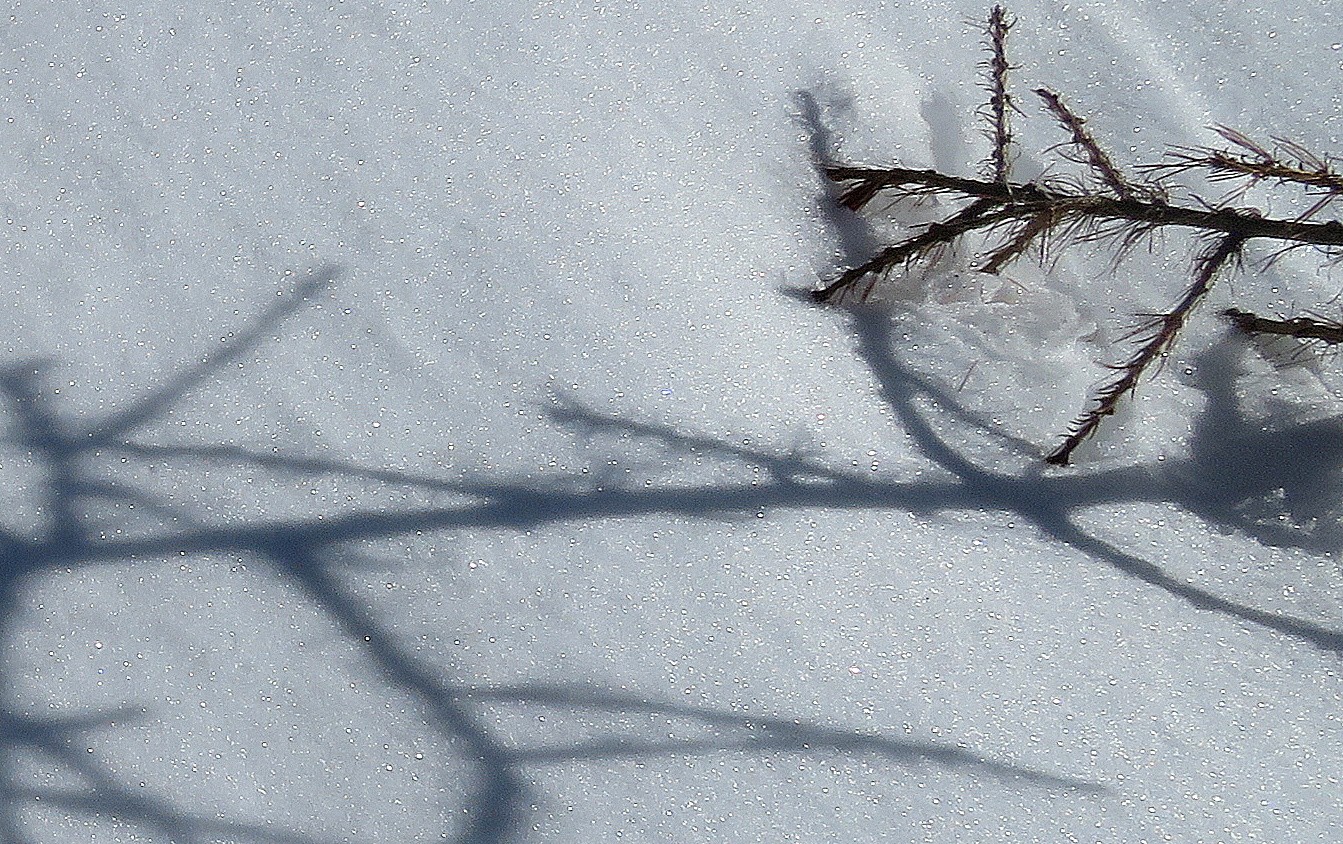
[(968, 219), (1302, 328), (1000, 102), (1287, 163), (1033, 230), (1160, 334), (1088, 149)]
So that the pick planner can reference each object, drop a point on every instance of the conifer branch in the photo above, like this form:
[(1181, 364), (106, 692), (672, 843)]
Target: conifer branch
[(1329, 332), (1009, 218), (1158, 335), (1034, 209), (1000, 101)]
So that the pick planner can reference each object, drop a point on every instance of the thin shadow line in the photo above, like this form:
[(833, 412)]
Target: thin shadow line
[(300, 550), (763, 733), (147, 407)]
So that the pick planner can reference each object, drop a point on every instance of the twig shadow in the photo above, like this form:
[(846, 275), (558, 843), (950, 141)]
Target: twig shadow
[(306, 553)]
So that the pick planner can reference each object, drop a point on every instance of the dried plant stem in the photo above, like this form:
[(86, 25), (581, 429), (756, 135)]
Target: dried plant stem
[(1033, 230), (1090, 150), (1040, 208), (999, 100), (1160, 334), (965, 220), (1302, 328), (1220, 161), (1291, 164)]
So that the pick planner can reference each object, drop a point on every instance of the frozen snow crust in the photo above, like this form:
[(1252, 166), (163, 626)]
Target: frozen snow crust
[(413, 431)]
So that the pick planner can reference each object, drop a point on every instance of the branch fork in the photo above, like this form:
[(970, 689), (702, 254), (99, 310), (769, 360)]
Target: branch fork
[(1014, 218)]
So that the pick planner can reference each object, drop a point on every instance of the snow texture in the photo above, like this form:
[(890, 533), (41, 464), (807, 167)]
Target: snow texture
[(413, 430)]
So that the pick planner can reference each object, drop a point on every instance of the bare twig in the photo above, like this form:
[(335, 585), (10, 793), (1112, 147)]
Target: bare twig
[(1325, 331), (1000, 102), (1087, 147), (1160, 334)]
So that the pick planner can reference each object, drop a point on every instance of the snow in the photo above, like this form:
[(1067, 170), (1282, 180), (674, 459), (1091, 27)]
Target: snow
[(413, 431)]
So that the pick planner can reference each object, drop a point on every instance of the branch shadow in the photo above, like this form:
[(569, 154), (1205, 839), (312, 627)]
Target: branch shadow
[(1050, 501), (306, 553), (1277, 487), (64, 741), (1277, 484), (741, 732), (854, 237)]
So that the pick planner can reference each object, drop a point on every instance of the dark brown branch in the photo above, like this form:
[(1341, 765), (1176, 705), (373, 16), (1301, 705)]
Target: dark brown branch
[(1160, 334), (1037, 209), (1302, 328), (937, 234), (1030, 199), (1091, 153), (999, 100), (1224, 164), (857, 197), (1287, 163), (1292, 163), (1034, 229)]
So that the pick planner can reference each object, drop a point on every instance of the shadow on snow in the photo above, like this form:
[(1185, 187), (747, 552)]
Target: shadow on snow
[(305, 552)]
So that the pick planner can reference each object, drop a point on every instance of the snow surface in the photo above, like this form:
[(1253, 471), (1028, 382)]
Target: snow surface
[(413, 431)]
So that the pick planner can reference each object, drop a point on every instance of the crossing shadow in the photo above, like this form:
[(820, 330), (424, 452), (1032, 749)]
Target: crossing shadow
[(311, 554)]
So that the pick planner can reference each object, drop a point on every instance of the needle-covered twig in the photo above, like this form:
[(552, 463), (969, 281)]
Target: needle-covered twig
[(1003, 219), (1287, 162), (1000, 102), (1088, 151), (1329, 332), (1157, 336)]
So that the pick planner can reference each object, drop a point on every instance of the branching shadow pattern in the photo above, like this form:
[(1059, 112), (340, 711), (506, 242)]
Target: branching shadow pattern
[(304, 552)]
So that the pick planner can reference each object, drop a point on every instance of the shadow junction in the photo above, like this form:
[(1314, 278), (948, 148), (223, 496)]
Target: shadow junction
[(310, 553)]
